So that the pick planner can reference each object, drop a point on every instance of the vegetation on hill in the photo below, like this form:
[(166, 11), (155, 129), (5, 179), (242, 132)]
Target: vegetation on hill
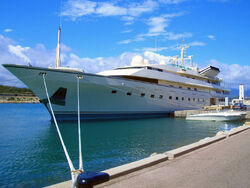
[(15, 90)]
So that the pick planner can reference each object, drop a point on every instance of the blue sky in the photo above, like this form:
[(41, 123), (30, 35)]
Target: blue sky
[(99, 35)]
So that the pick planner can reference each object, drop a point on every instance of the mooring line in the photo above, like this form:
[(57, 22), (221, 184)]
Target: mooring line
[(79, 125), (58, 131)]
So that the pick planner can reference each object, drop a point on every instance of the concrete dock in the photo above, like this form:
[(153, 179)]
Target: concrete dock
[(220, 161), (222, 164)]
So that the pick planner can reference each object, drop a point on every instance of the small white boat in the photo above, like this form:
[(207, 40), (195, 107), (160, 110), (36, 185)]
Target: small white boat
[(218, 116)]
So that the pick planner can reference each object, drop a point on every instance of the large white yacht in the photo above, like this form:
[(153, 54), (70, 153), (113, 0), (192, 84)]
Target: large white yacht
[(142, 89)]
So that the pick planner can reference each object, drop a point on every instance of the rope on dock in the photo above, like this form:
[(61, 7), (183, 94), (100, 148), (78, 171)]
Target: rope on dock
[(74, 172)]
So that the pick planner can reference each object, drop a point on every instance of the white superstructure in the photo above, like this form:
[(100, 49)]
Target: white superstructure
[(142, 89)]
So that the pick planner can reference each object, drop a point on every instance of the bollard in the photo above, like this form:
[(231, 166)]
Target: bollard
[(89, 179)]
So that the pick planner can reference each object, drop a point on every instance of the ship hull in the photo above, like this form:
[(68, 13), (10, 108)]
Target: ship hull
[(103, 97)]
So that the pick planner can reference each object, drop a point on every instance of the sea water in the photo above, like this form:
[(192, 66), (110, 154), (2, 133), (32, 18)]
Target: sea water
[(31, 154)]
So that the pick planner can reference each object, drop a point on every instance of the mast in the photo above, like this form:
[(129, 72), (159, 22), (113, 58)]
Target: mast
[(183, 48), (58, 49)]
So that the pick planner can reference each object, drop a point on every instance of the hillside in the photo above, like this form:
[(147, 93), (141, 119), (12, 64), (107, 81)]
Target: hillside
[(15, 90)]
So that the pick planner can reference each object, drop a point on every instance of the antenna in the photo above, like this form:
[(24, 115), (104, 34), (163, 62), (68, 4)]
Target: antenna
[(156, 50), (58, 48), (183, 48)]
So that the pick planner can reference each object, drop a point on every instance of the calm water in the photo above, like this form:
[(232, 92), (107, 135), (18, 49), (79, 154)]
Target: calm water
[(31, 154)]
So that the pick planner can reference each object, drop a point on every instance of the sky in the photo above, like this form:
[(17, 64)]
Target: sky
[(98, 35)]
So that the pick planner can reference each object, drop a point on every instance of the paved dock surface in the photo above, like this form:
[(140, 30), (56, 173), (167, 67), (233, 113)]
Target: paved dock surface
[(222, 164)]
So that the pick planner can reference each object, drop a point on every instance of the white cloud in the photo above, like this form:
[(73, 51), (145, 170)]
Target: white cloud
[(157, 27), (125, 41), (156, 58), (172, 1), (19, 52), (136, 9), (109, 9), (212, 37), (233, 74), (177, 36), (127, 31), (149, 49), (196, 43), (128, 19), (157, 24), (77, 8), (94, 65), (7, 30), (219, 1)]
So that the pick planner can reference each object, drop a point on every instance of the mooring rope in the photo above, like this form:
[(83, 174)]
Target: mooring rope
[(74, 172), (57, 128), (79, 125)]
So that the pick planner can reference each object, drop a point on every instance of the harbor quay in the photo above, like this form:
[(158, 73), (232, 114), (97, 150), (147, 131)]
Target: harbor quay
[(219, 161)]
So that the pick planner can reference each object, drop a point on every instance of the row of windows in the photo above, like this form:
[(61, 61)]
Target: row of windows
[(161, 97), (189, 88)]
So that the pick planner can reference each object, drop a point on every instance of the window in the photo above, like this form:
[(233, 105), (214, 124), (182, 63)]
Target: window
[(114, 91), (160, 97), (152, 96), (182, 98), (142, 94), (170, 97), (129, 93), (177, 98), (189, 99)]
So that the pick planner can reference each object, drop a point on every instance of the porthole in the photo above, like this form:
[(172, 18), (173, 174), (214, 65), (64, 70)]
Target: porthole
[(113, 91), (129, 93), (152, 96), (177, 98), (170, 97), (142, 94), (160, 97)]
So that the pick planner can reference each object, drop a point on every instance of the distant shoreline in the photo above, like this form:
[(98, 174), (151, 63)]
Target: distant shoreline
[(18, 99)]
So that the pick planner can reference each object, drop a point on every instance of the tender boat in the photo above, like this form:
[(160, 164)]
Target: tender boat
[(218, 116)]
